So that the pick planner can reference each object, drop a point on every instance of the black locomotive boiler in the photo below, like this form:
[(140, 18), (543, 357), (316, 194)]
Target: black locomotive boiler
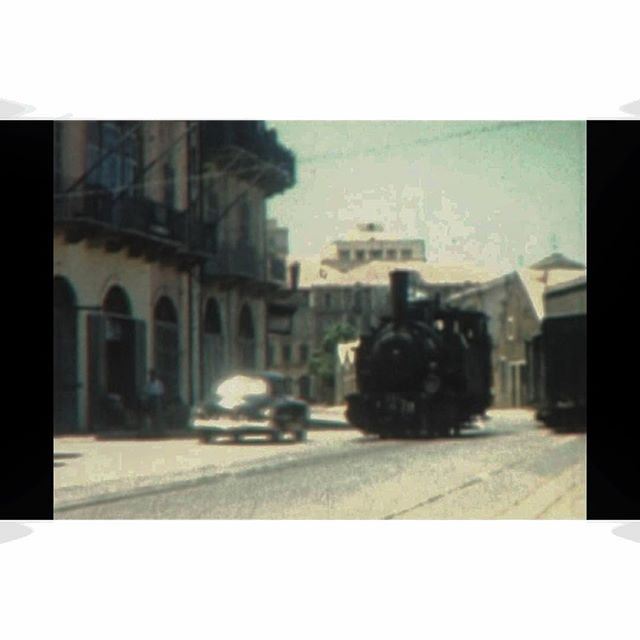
[(424, 371)]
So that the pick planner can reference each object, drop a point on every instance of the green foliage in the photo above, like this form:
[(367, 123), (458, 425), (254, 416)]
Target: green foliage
[(323, 361)]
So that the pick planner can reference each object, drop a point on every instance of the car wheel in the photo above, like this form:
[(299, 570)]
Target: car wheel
[(205, 438), (301, 436), (276, 436)]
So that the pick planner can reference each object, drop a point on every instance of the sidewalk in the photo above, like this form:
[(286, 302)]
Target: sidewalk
[(321, 417), (328, 417)]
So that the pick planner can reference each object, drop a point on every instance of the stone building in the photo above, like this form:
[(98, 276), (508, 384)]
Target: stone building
[(567, 298), (515, 305), (160, 260), (369, 242), (357, 297)]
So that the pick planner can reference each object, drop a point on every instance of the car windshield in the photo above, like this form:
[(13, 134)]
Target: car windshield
[(234, 390)]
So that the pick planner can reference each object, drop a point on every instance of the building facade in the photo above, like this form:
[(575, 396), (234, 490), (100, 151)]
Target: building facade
[(357, 298), (160, 261), (515, 306), (369, 242)]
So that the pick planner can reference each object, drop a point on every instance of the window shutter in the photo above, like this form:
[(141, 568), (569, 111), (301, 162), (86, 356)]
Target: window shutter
[(140, 346), (97, 383)]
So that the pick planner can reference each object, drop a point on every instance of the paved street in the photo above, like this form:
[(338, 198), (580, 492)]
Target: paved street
[(510, 467)]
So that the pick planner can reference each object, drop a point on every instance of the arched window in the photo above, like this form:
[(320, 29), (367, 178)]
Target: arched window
[(117, 301), (65, 369), (213, 357), (212, 322), (246, 339), (166, 346), (63, 295), (246, 323), (165, 311)]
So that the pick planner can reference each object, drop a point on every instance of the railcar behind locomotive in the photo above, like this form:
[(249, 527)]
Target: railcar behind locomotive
[(560, 377), (424, 371)]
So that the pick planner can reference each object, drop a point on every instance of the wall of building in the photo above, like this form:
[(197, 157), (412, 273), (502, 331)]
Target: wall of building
[(302, 331), (566, 301), (90, 269), (512, 322), (415, 250)]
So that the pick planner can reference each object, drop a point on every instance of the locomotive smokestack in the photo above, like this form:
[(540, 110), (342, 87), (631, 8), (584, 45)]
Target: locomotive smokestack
[(399, 295)]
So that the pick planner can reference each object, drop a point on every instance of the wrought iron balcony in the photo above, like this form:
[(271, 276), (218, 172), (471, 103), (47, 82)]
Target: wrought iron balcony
[(250, 152), (138, 223), (242, 262)]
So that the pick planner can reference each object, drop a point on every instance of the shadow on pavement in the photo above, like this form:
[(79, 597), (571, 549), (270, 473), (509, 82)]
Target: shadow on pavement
[(565, 430), (65, 456), (144, 435), (470, 435), (249, 443)]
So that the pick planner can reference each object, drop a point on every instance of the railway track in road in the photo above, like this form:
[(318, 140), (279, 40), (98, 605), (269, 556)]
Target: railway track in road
[(359, 478), (539, 498)]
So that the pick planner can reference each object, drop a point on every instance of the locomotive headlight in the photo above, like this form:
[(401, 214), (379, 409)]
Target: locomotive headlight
[(432, 383)]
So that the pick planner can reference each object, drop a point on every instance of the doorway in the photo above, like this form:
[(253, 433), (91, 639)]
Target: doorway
[(65, 357)]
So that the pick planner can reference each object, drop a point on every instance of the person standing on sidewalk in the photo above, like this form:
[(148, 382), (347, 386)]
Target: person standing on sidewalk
[(155, 399)]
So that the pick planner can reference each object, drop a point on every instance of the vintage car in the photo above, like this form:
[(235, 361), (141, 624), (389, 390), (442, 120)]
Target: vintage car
[(251, 404)]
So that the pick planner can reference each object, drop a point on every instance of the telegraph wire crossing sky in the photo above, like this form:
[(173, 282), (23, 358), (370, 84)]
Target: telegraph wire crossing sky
[(494, 194)]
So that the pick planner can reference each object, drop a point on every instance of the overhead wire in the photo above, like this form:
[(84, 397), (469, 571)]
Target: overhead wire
[(379, 150)]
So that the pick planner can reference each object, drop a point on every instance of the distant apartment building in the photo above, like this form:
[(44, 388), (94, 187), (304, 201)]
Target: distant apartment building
[(359, 298), (161, 259), (369, 242)]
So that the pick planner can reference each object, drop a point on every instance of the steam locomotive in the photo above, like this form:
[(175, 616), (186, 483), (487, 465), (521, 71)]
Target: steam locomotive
[(426, 371)]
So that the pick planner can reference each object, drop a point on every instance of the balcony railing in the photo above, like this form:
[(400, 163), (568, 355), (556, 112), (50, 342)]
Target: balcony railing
[(239, 262), (95, 211), (250, 152)]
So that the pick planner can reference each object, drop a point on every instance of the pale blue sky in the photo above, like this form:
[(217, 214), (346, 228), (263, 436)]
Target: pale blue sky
[(499, 194)]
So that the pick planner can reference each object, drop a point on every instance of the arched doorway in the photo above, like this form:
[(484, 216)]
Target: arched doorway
[(212, 347), (116, 358), (246, 339), (65, 357), (166, 347), (119, 347)]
